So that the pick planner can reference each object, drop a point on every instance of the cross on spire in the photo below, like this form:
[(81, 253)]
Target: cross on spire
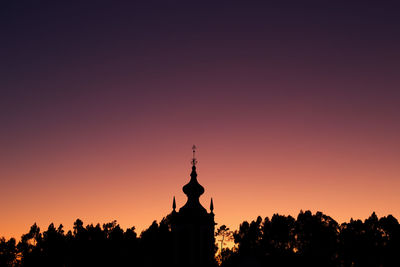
[(194, 160)]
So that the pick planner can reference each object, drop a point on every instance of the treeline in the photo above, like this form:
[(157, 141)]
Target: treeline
[(309, 240), (90, 245), (314, 240)]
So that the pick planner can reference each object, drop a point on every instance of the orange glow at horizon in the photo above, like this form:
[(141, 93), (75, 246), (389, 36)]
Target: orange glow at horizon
[(242, 190)]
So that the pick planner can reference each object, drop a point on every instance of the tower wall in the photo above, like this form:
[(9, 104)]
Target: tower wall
[(193, 227), (194, 241)]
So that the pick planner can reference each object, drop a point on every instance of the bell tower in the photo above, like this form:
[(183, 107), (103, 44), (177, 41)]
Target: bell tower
[(193, 226)]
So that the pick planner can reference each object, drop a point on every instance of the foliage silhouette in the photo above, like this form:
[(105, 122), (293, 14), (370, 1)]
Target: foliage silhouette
[(225, 234), (8, 252), (309, 240), (315, 240)]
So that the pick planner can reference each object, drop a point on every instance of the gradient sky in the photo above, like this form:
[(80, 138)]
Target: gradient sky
[(292, 106)]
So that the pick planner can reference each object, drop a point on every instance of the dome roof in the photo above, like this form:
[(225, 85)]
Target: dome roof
[(193, 190)]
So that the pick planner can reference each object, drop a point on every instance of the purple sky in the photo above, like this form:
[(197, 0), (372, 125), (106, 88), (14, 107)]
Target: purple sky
[(282, 97)]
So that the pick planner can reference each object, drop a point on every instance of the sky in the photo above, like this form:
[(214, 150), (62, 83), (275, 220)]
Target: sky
[(292, 105)]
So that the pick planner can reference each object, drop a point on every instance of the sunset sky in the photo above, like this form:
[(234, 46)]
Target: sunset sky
[(292, 106)]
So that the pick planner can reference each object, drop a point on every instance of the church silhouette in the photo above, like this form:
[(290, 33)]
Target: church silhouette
[(193, 227)]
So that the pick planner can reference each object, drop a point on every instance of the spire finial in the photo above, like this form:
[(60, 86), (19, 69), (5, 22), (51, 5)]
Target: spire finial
[(212, 205), (173, 204), (194, 160)]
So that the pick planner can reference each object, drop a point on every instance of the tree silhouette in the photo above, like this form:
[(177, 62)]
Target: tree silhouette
[(317, 239), (309, 240), (8, 252), (225, 234), (278, 240)]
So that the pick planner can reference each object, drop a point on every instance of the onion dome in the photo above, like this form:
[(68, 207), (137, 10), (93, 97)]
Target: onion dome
[(193, 191)]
